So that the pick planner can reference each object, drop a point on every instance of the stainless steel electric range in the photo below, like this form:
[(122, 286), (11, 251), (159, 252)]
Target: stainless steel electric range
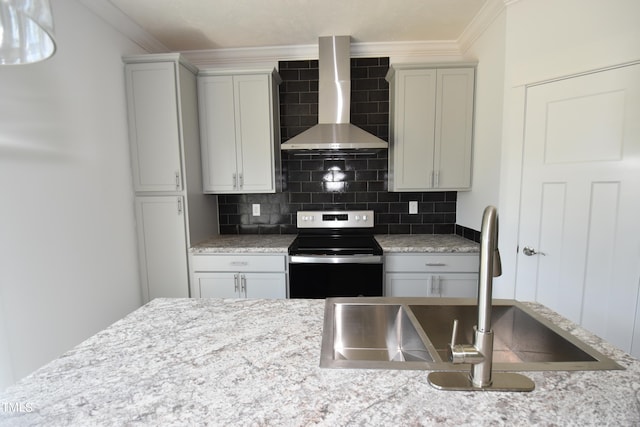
[(335, 255)]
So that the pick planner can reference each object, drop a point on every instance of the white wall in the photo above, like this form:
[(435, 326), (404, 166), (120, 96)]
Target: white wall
[(549, 39), (68, 263), (489, 51)]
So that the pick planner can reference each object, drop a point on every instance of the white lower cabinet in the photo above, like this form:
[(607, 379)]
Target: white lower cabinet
[(431, 275), (162, 245), (238, 276), (241, 285)]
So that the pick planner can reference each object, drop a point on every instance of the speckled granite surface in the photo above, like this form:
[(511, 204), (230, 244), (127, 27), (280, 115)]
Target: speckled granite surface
[(426, 243), (255, 362), (244, 243), (279, 243)]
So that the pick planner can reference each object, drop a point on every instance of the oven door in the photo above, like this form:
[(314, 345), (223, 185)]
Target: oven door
[(324, 276)]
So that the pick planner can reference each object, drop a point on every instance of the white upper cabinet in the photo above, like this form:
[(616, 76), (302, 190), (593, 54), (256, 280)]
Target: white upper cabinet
[(431, 127), (154, 126), (240, 131)]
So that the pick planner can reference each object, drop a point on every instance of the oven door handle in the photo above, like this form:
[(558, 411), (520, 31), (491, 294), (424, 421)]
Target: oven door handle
[(331, 259)]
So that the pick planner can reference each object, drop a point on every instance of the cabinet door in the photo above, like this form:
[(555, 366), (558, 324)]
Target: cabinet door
[(456, 285), (162, 247), (408, 284), (241, 285), (453, 128), (254, 133), (153, 126), (264, 285), (217, 285), (218, 134), (414, 132)]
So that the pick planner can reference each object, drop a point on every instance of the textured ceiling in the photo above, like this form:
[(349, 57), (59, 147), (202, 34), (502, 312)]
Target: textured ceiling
[(215, 24)]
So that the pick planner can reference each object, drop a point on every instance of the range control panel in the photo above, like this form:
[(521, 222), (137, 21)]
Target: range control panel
[(335, 219)]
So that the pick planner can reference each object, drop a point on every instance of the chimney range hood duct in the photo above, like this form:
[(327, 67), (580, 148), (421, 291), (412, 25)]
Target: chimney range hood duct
[(333, 131)]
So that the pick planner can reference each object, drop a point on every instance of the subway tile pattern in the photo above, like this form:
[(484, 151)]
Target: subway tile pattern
[(338, 181), (468, 233)]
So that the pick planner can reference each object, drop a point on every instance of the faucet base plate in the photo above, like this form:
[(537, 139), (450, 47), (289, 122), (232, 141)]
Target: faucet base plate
[(460, 381)]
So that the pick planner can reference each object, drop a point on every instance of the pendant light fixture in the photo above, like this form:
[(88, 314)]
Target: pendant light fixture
[(26, 31)]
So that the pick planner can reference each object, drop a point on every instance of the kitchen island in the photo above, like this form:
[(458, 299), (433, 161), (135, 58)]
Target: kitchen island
[(255, 362)]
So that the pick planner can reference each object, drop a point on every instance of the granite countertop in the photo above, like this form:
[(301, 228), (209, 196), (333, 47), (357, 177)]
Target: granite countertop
[(279, 243), (426, 243), (244, 243), (255, 362)]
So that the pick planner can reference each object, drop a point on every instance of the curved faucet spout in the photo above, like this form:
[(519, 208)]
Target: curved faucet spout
[(490, 266), (480, 353)]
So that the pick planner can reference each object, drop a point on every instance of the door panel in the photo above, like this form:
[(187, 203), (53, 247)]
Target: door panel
[(415, 137), (217, 285), (580, 203), (265, 285), (218, 132), (153, 128), (254, 124), (454, 127), (162, 244)]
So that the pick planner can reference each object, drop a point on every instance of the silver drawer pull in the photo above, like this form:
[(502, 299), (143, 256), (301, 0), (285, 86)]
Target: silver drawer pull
[(436, 264), (238, 263)]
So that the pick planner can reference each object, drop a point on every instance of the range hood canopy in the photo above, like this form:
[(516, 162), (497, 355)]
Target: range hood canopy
[(334, 131)]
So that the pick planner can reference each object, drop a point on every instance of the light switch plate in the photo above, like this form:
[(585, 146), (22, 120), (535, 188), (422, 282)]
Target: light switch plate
[(255, 208), (413, 207)]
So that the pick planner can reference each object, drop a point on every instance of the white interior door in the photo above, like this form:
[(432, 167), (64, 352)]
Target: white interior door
[(580, 201)]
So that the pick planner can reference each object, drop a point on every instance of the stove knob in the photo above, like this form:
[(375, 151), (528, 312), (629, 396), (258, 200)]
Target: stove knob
[(364, 217), (357, 217)]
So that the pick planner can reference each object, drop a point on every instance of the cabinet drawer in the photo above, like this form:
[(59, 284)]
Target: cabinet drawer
[(238, 263), (467, 263)]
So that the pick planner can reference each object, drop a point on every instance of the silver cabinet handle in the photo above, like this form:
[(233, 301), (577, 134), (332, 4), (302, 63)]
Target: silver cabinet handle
[(235, 180), (177, 180), (434, 285), (243, 285), (236, 284), (179, 206), (528, 251), (241, 263), (435, 264), (437, 179), (241, 180)]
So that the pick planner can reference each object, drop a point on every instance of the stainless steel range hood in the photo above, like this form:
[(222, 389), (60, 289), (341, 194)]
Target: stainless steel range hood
[(334, 131)]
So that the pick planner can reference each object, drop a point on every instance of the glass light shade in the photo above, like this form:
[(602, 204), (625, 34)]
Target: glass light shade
[(26, 31)]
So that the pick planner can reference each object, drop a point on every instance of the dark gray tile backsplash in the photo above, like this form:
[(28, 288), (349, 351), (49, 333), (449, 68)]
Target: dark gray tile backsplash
[(338, 181)]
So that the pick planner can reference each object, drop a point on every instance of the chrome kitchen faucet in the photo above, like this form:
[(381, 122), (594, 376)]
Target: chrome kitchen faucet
[(480, 353)]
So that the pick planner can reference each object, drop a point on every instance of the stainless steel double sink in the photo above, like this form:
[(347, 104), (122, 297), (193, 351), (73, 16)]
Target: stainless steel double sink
[(414, 333)]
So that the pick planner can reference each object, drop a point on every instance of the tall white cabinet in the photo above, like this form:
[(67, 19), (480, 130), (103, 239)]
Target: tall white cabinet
[(431, 127), (240, 131), (171, 209)]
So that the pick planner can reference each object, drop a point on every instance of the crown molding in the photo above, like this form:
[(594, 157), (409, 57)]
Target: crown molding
[(261, 57), (113, 16), (479, 24)]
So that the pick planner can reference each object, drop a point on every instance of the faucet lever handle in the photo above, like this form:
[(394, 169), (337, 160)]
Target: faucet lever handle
[(454, 333)]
